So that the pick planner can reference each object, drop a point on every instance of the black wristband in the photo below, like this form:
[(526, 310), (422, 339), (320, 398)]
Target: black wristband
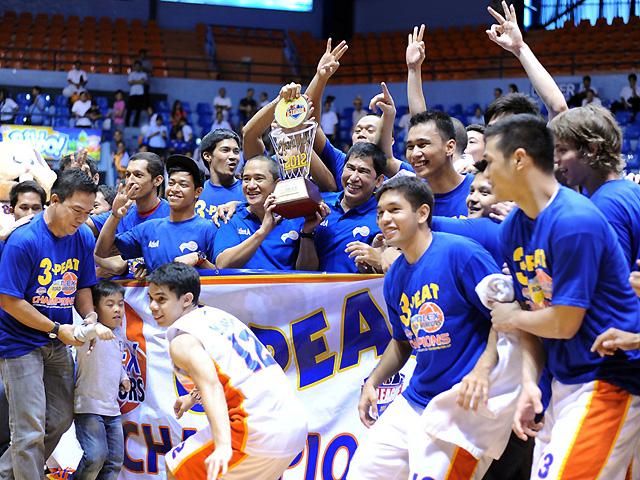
[(310, 235)]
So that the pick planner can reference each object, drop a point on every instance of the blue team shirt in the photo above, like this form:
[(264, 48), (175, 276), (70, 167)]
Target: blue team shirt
[(483, 230), (279, 249), (453, 203), (132, 217), (619, 202), (433, 305), (336, 159), (214, 195), (46, 271), (569, 256), (340, 228), (160, 240)]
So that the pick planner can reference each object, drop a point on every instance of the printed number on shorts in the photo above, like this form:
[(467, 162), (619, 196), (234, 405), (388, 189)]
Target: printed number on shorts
[(544, 470), (254, 354)]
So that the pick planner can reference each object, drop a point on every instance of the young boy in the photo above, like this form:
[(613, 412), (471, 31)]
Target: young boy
[(256, 424), (100, 375)]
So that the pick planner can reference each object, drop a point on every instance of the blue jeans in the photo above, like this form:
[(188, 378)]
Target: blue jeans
[(39, 389), (102, 440)]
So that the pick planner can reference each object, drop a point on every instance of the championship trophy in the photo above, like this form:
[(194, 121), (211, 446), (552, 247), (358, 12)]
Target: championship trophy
[(296, 195)]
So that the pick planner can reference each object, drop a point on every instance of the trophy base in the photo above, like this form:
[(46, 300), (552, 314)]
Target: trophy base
[(297, 197)]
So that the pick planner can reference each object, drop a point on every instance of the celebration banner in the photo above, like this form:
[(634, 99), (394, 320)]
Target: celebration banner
[(54, 142), (326, 331)]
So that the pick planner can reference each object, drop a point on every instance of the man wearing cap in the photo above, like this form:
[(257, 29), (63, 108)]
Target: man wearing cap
[(182, 237), (220, 150)]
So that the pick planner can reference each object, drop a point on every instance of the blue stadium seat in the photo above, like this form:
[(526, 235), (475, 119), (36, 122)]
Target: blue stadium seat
[(60, 121), (438, 107), (61, 100), (205, 121), (186, 106), (102, 102), (632, 131), (162, 106), (204, 109), (455, 110), (623, 117), (633, 161), (23, 98), (626, 146)]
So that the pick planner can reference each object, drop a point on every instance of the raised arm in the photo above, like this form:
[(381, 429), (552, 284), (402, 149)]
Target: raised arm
[(327, 66), (384, 102), (506, 33), (415, 57), (107, 237)]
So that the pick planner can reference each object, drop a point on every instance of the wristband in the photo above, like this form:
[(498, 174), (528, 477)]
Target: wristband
[(310, 235), (201, 258)]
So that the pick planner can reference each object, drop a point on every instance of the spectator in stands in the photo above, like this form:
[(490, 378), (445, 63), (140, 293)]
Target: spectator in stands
[(187, 131), (341, 241), (119, 110), (576, 100), (220, 152), (80, 110), (255, 237), (329, 120), (37, 365), (147, 67), (220, 122), (264, 99), (358, 112), (181, 237), (179, 145), (8, 107), (247, 107), (497, 92), (157, 136), (104, 199), (430, 148), (95, 114), (177, 113), (222, 103), (591, 99), (36, 111), (478, 117), (629, 97), (137, 79), (513, 88), (118, 136), (121, 159), (76, 80), (475, 142)]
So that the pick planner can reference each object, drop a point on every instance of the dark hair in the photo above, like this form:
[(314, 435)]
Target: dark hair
[(65, 162), (180, 278), (109, 193), (414, 190), (632, 76), (513, 87), (461, 135), (511, 104), (103, 289), (498, 89), (197, 182), (211, 139), (480, 165), (476, 127), (36, 87), (442, 121), (25, 187), (524, 131), (272, 164), (155, 166), (72, 181), (586, 77), (369, 150)]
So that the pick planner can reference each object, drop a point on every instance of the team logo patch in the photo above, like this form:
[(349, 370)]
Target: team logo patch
[(191, 246), (293, 235), (244, 231), (67, 285), (363, 231), (154, 243)]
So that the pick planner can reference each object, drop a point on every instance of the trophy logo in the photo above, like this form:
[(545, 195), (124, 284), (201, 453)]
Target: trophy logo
[(296, 194)]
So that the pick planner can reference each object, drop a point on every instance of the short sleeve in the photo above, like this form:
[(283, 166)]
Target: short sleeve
[(100, 219), (16, 267), (335, 160), (87, 273), (478, 266), (397, 332), (226, 237), (210, 239), (130, 242)]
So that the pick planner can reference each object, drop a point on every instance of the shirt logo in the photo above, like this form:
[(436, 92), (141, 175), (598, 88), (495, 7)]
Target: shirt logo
[(362, 231), (293, 235), (325, 222), (244, 231), (154, 243), (191, 246)]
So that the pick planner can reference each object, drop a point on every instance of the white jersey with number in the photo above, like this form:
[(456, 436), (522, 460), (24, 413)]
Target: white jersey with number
[(266, 418)]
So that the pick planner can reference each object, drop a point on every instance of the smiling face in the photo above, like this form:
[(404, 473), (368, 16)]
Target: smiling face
[(570, 164), (480, 198), (165, 306), (181, 191), (110, 310), (359, 180), (426, 150), (100, 205), (223, 160), (398, 221), (475, 145), (367, 129), (257, 182), (138, 174)]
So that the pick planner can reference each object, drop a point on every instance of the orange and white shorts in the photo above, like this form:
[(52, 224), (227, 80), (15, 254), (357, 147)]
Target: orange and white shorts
[(590, 432), (186, 461)]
